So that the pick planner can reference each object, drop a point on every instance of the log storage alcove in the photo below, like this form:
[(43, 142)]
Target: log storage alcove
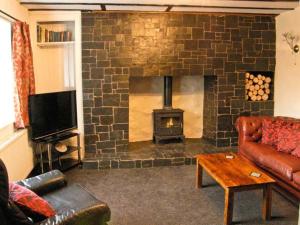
[(259, 85)]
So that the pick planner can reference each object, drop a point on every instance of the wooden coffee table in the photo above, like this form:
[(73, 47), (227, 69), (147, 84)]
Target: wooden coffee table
[(234, 176)]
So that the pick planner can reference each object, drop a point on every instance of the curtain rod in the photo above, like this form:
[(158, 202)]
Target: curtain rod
[(6, 14)]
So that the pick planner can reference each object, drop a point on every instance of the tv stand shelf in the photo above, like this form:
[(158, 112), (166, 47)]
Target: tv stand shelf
[(51, 158), (56, 138), (56, 154)]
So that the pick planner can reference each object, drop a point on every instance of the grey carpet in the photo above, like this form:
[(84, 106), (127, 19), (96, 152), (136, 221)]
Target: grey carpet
[(167, 196)]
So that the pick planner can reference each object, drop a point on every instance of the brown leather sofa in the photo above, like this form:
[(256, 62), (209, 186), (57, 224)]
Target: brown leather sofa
[(283, 167)]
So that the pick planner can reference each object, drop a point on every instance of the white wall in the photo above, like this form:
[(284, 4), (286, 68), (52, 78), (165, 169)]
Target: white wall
[(287, 72), (13, 8), (50, 62), (146, 94), (16, 152)]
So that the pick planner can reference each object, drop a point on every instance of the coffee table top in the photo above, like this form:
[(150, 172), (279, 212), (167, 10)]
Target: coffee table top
[(231, 173)]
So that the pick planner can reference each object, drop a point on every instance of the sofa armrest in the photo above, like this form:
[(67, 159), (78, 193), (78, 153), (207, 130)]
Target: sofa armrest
[(98, 214), (249, 128), (45, 182)]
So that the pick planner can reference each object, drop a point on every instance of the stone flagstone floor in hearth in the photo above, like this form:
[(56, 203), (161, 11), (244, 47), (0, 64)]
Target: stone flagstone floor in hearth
[(145, 154)]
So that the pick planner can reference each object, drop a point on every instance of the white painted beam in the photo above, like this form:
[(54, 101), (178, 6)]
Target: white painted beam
[(268, 4), (228, 10), (158, 5)]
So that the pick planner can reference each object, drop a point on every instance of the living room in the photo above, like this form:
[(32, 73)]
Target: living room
[(157, 84)]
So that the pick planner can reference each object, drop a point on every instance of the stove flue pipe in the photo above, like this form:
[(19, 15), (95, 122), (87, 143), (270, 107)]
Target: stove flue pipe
[(168, 92)]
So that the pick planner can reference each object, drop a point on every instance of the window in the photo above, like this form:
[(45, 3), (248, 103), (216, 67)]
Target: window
[(6, 78)]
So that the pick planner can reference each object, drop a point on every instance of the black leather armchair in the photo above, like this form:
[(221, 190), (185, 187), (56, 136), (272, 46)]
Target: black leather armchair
[(74, 205)]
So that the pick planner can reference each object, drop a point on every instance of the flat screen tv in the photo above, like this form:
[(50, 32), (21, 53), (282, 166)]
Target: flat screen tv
[(52, 113)]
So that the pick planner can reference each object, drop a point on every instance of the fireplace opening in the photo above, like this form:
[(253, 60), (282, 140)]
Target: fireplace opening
[(147, 94)]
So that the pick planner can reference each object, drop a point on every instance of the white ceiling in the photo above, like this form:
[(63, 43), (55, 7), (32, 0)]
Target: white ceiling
[(236, 6)]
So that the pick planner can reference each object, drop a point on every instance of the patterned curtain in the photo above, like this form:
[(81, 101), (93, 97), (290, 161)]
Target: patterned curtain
[(24, 75)]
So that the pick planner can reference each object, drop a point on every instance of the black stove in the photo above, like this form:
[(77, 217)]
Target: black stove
[(167, 122)]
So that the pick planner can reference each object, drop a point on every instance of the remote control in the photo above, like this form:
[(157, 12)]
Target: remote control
[(255, 174)]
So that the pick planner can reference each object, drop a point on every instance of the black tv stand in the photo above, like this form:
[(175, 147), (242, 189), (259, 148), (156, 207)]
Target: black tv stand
[(50, 158)]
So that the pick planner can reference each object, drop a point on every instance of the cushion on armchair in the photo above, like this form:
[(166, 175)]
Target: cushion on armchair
[(31, 204), (10, 214)]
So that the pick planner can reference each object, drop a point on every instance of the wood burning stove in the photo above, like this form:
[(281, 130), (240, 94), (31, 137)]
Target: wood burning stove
[(167, 122)]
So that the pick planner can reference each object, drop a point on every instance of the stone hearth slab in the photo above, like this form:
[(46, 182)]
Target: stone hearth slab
[(146, 154)]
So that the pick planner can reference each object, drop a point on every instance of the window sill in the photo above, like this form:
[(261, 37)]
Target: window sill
[(11, 138)]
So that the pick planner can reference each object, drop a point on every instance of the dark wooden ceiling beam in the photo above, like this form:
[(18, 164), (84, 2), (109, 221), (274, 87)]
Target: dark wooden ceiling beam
[(103, 7), (168, 9)]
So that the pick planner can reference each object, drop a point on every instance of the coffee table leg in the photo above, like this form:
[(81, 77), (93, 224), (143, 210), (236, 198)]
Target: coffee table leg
[(228, 208), (199, 172), (267, 202)]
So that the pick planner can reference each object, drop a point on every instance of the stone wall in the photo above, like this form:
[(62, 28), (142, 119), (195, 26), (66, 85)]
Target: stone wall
[(210, 109), (118, 45)]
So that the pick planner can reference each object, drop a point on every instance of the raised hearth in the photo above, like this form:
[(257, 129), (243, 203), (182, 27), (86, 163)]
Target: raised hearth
[(145, 154)]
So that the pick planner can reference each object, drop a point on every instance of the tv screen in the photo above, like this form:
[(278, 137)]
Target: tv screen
[(52, 113)]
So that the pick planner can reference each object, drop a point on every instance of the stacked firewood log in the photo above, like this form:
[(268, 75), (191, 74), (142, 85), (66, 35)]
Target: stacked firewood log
[(257, 87)]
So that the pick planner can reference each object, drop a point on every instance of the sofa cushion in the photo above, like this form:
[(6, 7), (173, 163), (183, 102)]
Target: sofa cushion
[(74, 197), (282, 163), (296, 152), (272, 160), (296, 177), (288, 138), (256, 152), (270, 129), (30, 203)]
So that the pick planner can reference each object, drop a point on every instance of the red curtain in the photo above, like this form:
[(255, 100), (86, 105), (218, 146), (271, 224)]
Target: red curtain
[(24, 75)]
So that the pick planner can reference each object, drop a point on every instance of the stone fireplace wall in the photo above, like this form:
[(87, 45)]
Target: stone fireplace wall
[(118, 45), (210, 109)]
